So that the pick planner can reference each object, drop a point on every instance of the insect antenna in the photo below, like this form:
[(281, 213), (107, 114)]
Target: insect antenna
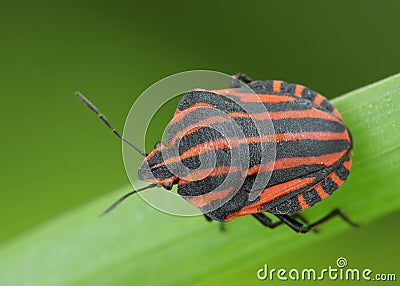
[(127, 195), (105, 120)]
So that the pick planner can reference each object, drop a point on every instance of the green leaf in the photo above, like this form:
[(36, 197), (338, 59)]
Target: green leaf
[(137, 245)]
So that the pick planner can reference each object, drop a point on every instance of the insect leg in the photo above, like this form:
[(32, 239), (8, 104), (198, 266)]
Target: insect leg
[(299, 227), (221, 224), (332, 214), (265, 221), (302, 219), (208, 218), (235, 81)]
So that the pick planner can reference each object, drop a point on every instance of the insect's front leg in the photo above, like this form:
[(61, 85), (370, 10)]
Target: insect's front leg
[(208, 218), (221, 224), (235, 80)]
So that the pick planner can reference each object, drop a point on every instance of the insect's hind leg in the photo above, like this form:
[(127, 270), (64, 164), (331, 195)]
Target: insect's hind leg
[(299, 227), (303, 220), (265, 221), (235, 80)]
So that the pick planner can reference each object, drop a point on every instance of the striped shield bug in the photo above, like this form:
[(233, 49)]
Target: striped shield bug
[(309, 143)]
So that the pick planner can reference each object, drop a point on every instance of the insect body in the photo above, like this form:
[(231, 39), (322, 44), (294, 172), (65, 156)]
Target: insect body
[(311, 143)]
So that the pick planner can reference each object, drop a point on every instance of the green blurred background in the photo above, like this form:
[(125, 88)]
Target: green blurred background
[(55, 156)]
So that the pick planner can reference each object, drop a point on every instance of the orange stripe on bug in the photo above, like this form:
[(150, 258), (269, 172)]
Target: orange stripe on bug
[(302, 202), (321, 192), (270, 194), (253, 97), (308, 113), (274, 192), (318, 99), (347, 164), (336, 179), (276, 86), (327, 160), (337, 114), (179, 115), (299, 90), (198, 125), (203, 200), (200, 174)]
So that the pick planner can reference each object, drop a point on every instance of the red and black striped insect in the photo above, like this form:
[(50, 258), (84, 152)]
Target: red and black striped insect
[(312, 144)]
